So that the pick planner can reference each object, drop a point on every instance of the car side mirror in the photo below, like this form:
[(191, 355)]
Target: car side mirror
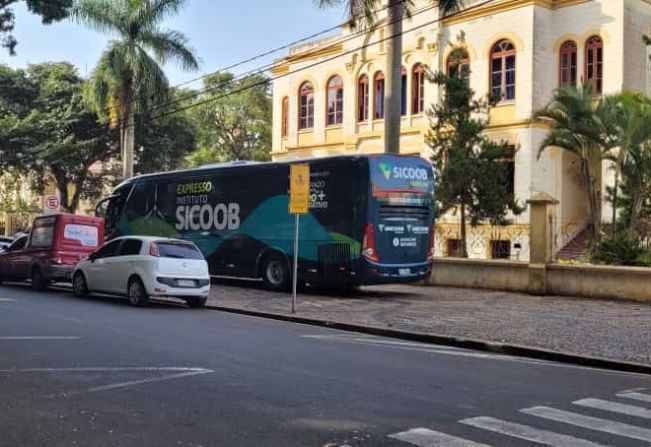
[(92, 257)]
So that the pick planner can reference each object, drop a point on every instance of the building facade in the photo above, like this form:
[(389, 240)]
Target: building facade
[(328, 94)]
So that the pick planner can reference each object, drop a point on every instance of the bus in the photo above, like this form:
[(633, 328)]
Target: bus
[(370, 218)]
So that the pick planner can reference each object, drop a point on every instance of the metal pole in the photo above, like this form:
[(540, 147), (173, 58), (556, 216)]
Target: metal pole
[(295, 269)]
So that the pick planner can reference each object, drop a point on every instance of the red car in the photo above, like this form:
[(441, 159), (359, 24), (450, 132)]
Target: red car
[(51, 250)]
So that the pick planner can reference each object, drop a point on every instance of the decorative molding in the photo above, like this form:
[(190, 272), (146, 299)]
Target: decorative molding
[(508, 5)]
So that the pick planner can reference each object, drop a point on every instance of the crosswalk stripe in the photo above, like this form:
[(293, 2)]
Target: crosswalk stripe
[(615, 407), (424, 437), (592, 423), (636, 396), (527, 433)]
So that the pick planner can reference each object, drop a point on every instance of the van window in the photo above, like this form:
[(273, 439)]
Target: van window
[(86, 235), (42, 236)]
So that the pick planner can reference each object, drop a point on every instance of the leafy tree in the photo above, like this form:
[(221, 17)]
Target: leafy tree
[(49, 10), (128, 78), (59, 137), (364, 12), (579, 126), (233, 121), (472, 177)]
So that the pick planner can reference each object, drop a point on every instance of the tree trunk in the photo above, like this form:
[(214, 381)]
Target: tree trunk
[(614, 220), (393, 78), (636, 209), (129, 139), (462, 229)]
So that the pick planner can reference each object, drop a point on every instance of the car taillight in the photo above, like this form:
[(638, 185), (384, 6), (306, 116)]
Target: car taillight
[(153, 250), (432, 239), (368, 244)]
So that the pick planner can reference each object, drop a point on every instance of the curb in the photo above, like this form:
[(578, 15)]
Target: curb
[(445, 340)]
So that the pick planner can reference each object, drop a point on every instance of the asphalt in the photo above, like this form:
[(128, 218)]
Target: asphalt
[(97, 372)]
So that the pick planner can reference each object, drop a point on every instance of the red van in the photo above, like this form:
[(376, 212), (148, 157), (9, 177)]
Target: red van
[(51, 250)]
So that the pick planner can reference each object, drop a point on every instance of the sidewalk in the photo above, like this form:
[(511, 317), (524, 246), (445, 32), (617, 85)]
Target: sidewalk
[(614, 330)]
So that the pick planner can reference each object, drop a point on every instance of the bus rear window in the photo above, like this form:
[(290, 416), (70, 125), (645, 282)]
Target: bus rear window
[(179, 250)]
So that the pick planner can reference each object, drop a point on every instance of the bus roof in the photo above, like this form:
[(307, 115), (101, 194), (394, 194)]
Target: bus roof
[(243, 163)]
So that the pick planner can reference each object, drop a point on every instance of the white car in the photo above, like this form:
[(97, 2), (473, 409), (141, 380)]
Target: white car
[(140, 267), (5, 242)]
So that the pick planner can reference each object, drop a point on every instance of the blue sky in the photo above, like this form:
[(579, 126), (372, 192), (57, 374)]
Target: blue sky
[(221, 31)]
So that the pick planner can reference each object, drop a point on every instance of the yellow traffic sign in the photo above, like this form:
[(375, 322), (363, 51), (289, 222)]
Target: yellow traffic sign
[(299, 188)]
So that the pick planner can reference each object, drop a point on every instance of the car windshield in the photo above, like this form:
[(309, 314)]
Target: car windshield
[(180, 250)]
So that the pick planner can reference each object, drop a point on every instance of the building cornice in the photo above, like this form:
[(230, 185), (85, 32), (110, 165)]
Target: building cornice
[(283, 65), (508, 5)]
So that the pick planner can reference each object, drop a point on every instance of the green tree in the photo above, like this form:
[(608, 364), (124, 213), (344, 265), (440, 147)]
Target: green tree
[(59, 137), (364, 12), (233, 121), (579, 126), (49, 10), (471, 176), (128, 78)]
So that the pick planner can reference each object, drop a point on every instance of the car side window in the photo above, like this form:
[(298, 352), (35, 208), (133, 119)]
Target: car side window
[(130, 247), (108, 250), (18, 244)]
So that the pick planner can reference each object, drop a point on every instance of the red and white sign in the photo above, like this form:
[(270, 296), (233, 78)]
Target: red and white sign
[(52, 204)]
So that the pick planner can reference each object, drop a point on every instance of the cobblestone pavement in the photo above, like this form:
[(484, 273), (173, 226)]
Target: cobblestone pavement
[(596, 328)]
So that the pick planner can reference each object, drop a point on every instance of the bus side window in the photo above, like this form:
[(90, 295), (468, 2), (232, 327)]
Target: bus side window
[(114, 210)]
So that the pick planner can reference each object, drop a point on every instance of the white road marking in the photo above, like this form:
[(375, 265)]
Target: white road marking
[(39, 337), (615, 407), (592, 423), (113, 386), (527, 433), (424, 437), (6, 300), (106, 369), (636, 396)]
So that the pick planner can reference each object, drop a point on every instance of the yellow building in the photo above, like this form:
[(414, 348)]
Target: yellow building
[(328, 93)]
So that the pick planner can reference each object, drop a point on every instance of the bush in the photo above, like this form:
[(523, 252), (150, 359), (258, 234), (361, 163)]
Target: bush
[(620, 250)]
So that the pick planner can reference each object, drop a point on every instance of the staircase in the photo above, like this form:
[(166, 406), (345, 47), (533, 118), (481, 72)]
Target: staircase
[(578, 248)]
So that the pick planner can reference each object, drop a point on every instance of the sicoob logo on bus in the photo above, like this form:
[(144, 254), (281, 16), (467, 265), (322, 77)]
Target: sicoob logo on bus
[(194, 212)]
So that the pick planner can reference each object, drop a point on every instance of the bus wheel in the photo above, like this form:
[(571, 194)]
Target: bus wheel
[(275, 272)]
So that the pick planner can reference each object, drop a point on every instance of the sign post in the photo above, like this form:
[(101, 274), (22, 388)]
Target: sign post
[(299, 203)]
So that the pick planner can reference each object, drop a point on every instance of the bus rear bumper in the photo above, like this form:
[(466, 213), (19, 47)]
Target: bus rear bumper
[(394, 273)]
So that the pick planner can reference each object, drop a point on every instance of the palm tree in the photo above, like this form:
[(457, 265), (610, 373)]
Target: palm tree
[(128, 77), (578, 127), (365, 12)]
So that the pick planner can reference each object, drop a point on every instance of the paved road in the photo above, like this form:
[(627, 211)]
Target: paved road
[(98, 372)]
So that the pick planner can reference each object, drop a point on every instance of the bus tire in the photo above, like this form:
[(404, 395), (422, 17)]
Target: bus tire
[(136, 293), (38, 282), (275, 272)]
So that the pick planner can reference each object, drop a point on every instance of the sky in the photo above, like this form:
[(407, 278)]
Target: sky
[(222, 32)]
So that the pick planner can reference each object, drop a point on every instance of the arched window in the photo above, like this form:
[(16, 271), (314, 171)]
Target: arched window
[(458, 65), (403, 91), (285, 113), (378, 90), (362, 98), (594, 58), (503, 70), (417, 89), (306, 106), (567, 63), (335, 105)]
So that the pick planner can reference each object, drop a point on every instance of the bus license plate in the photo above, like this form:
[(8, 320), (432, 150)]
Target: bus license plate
[(185, 283), (404, 272)]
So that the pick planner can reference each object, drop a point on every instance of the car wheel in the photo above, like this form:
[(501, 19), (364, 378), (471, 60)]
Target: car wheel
[(38, 283), (275, 272), (137, 293), (79, 286), (197, 302)]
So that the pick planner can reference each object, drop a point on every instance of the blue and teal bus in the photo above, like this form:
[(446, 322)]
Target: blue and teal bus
[(370, 219)]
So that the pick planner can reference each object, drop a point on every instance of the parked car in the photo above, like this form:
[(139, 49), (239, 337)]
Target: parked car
[(5, 242), (51, 250), (140, 267)]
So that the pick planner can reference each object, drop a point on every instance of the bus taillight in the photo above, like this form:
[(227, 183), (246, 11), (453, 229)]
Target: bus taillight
[(368, 244)]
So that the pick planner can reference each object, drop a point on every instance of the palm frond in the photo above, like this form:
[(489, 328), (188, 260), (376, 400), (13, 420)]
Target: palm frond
[(100, 15), (170, 45)]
